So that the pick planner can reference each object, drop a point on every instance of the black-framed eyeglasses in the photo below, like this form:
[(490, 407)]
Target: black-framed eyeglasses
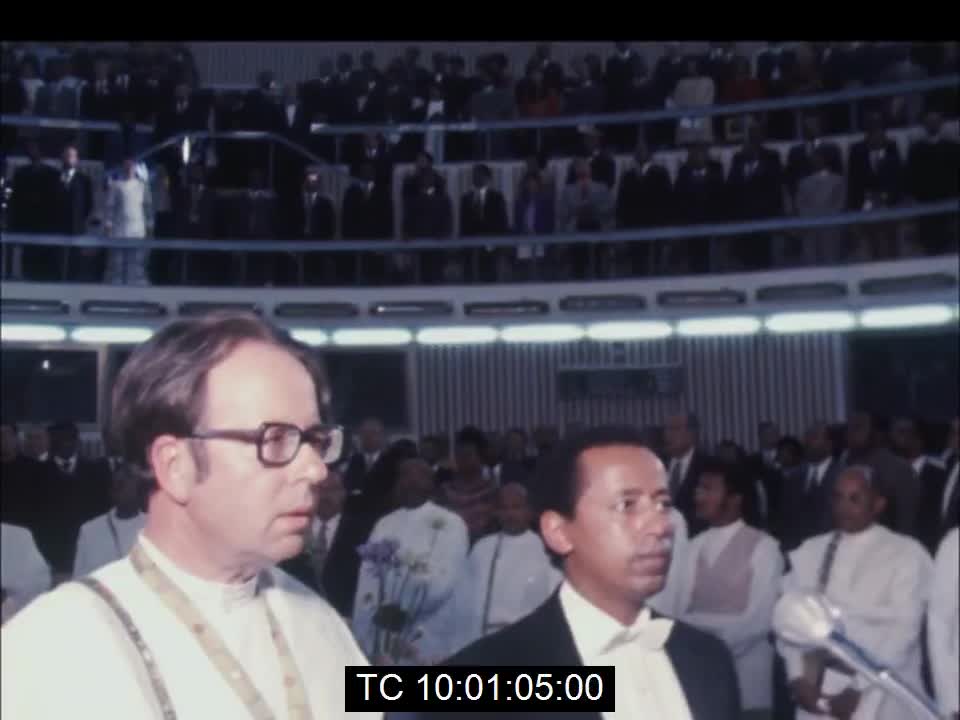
[(278, 443)]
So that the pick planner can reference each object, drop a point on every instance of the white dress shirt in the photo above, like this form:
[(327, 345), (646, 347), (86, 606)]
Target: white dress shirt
[(880, 582), (518, 582), (24, 574), (646, 683), (943, 623), (746, 633), (817, 472), (684, 461), (70, 640), (97, 546)]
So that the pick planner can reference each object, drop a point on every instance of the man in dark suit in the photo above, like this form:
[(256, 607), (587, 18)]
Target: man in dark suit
[(800, 157), (645, 200), (680, 434), (754, 192), (310, 566), (483, 211), (907, 438), (24, 481), (699, 198), (604, 514), (876, 177), (372, 444), (311, 216), (807, 489), (81, 488), (72, 207), (932, 176), (603, 168)]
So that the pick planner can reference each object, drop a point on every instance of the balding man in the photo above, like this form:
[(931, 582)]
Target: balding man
[(310, 566), (680, 434), (411, 562), (509, 574), (372, 443), (880, 581)]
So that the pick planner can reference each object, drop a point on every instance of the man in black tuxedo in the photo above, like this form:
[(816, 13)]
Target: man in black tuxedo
[(72, 207), (645, 200), (79, 491), (931, 177), (311, 216), (604, 510), (680, 434), (907, 437), (807, 490)]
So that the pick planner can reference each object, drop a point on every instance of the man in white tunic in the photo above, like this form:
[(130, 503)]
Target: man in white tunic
[(110, 536), (943, 625), (402, 611), (221, 416), (129, 216), (732, 582), (24, 574), (880, 581), (508, 575)]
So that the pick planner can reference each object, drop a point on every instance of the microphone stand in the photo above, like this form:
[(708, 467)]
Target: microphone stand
[(881, 675)]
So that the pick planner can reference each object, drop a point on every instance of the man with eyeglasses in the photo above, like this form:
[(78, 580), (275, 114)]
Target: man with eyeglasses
[(222, 418)]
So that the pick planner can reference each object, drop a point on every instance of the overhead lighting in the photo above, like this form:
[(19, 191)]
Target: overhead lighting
[(639, 330), (731, 325), (906, 316), (464, 335), (110, 334), (16, 332), (801, 322), (557, 332), (310, 337), (372, 336)]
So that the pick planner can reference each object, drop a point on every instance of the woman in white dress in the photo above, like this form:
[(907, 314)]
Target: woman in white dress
[(129, 215)]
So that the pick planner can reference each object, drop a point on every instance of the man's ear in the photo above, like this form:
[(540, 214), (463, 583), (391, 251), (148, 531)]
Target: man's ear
[(173, 466), (553, 528)]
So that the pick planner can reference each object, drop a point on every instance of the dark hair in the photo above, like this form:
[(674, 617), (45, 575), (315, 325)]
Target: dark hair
[(556, 486), (12, 425), (62, 427), (474, 436), (788, 441), (161, 388), (735, 477)]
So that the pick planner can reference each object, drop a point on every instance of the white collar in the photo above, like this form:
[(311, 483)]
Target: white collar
[(821, 467), (918, 464), (862, 537), (204, 593), (684, 459), (594, 631)]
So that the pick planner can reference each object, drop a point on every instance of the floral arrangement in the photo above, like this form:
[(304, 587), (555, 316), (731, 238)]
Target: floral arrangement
[(401, 592)]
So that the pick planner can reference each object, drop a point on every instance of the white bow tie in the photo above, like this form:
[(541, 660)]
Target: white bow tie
[(647, 633)]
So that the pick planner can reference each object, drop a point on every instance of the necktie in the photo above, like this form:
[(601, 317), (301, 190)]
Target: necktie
[(647, 632), (675, 478)]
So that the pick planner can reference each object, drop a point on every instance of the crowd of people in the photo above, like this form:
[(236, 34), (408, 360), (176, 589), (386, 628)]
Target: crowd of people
[(815, 180), (745, 527)]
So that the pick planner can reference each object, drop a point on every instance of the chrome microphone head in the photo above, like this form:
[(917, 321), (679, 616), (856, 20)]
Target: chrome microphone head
[(805, 619)]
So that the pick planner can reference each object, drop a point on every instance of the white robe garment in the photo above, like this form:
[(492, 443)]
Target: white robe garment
[(880, 582), (522, 579), (96, 546), (24, 573), (746, 633), (943, 624), (668, 601), (438, 537), (66, 656), (129, 215)]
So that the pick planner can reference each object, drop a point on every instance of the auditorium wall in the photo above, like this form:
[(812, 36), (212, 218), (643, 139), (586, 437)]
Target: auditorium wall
[(732, 383)]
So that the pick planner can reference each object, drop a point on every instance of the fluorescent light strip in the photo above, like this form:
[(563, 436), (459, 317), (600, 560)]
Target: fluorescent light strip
[(801, 322), (463, 335), (372, 336), (906, 316), (716, 326), (110, 334), (16, 332), (309, 336), (556, 332), (640, 330)]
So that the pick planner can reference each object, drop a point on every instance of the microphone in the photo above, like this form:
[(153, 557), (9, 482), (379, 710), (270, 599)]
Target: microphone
[(809, 620)]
